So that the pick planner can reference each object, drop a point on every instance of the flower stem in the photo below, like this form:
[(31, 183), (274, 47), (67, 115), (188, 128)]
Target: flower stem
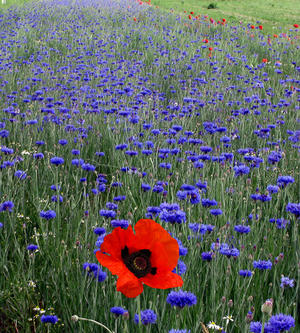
[(76, 318)]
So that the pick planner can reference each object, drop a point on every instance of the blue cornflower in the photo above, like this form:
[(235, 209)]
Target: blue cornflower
[(118, 311), (207, 256), (180, 268), (32, 247), (77, 161), (281, 322), (283, 181), (145, 187), (1, 225), (242, 229), (119, 223), (111, 205), (208, 202), (216, 212), (95, 270), (274, 157), (48, 215), (107, 213), (20, 174), (229, 251), (99, 231), (179, 331), (181, 298), (291, 207), (241, 170), (255, 327), (75, 152), (119, 198), (262, 265), (273, 188), (177, 216), (88, 167), (38, 156), (245, 273), (147, 317), (56, 198), (286, 282), (6, 206), (49, 319), (55, 188), (63, 142), (57, 160)]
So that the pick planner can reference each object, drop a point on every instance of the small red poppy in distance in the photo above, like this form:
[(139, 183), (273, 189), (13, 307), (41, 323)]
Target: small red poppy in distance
[(252, 27), (296, 25), (260, 27), (264, 60), (146, 257)]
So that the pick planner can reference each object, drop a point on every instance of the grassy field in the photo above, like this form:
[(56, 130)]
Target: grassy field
[(112, 112), (275, 15)]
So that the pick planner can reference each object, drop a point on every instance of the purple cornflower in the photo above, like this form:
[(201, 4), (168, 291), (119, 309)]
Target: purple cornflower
[(280, 323), (216, 212), (262, 265), (20, 174), (118, 311), (286, 282), (181, 299), (293, 208), (119, 223), (107, 213), (32, 247), (245, 273), (57, 160), (6, 206), (207, 256), (49, 319), (241, 170), (48, 215), (283, 181), (147, 317), (99, 231), (242, 229)]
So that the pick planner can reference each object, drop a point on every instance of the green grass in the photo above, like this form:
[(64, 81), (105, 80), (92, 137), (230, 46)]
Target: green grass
[(275, 15)]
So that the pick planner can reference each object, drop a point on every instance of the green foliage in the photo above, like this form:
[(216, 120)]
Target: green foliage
[(212, 5)]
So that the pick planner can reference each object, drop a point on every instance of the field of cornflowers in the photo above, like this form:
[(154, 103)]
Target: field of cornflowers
[(113, 112)]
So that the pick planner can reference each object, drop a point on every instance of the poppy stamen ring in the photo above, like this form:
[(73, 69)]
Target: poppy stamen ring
[(138, 262)]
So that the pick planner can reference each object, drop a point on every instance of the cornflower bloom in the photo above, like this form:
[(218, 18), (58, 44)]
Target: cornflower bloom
[(147, 317), (181, 299)]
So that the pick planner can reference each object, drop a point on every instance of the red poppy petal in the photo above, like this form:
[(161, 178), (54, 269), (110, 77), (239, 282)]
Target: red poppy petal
[(164, 248), (115, 265), (113, 243), (163, 258), (163, 280), (129, 285)]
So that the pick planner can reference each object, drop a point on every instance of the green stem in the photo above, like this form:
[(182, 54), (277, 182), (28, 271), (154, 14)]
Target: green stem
[(95, 322)]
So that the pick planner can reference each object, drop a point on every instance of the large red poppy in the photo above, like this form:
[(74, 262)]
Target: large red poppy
[(146, 257)]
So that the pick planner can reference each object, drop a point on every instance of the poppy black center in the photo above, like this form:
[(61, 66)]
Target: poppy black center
[(138, 262)]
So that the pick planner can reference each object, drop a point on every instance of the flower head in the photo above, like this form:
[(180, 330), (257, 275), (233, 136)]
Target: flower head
[(147, 256), (181, 298), (147, 317), (49, 319)]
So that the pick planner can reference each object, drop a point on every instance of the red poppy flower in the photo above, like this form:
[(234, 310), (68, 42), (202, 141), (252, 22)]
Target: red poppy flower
[(205, 40), (146, 257), (190, 17), (134, 19), (224, 20), (192, 13), (252, 27), (264, 60), (296, 25), (260, 27)]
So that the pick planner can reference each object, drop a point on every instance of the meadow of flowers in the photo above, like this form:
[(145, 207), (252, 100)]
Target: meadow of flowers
[(114, 112)]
